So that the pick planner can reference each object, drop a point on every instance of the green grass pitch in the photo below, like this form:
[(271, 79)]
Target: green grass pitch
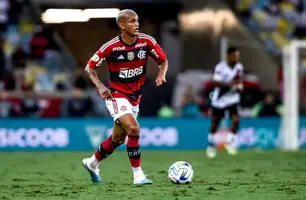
[(268, 175)]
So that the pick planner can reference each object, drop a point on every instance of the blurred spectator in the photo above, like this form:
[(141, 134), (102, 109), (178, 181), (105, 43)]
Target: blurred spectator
[(19, 58), (4, 105), (165, 111), (2, 59), (7, 109), (50, 106), (14, 11), (302, 61), (272, 9), (4, 8), (190, 103), (53, 61), (272, 13), (43, 81), (37, 77), (39, 43), (61, 81), (244, 7), (303, 90), (29, 105), (25, 84), (79, 105), (9, 81), (300, 23), (80, 80), (268, 107), (302, 84)]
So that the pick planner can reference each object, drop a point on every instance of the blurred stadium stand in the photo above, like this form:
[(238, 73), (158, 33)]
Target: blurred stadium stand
[(276, 22), (44, 62)]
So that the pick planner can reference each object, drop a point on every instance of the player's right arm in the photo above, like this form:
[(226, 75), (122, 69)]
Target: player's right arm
[(95, 61)]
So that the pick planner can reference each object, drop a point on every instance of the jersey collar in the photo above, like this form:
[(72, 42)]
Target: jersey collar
[(129, 45)]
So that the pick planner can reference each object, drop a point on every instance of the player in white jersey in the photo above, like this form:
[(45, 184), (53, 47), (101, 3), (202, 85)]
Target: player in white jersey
[(226, 97)]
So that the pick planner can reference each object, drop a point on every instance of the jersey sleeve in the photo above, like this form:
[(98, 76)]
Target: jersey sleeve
[(240, 73), (97, 59), (156, 52), (217, 74)]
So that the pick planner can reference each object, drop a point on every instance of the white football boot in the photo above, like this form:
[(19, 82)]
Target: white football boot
[(211, 152), (231, 149), (93, 172), (231, 146)]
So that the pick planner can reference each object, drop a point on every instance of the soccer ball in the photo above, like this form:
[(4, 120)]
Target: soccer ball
[(180, 172)]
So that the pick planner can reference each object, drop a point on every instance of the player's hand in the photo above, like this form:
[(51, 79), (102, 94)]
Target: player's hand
[(105, 93), (240, 87), (160, 80), (234, 82)]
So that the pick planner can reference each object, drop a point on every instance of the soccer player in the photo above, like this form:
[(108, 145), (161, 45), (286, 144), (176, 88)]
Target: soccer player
[(226, 97), (126, 56)]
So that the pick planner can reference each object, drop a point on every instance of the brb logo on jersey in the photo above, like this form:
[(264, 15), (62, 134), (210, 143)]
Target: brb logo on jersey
[(130, 73)]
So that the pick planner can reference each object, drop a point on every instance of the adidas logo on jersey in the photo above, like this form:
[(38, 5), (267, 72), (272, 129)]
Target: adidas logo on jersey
[(120, 57)]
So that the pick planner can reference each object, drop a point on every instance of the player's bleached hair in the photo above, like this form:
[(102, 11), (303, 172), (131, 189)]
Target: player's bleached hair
[(123, 13)]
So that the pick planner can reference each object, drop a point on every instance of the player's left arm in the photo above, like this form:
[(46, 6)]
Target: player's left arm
[(160, 58), (241, 78), (161, 77)]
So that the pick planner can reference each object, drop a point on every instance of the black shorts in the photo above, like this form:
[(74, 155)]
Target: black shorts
[(219, 113)]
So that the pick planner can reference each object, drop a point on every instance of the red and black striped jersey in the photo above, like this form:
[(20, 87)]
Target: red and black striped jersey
[(127, 64)]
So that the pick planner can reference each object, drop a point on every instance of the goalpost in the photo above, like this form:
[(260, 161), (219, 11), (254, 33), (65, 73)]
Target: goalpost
[(289, 133)]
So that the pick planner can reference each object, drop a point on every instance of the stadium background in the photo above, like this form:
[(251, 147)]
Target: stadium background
[(43, 79), (48, 104)]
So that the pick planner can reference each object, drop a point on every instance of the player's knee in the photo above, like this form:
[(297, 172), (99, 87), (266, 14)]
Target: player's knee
[(133, 130)]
